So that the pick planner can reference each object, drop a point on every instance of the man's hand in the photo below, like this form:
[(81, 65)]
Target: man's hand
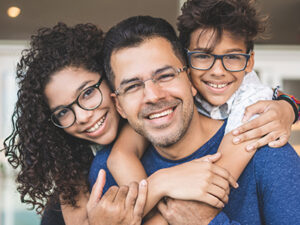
[(273, 126), (119, 206), (180, 212), (209, 184)]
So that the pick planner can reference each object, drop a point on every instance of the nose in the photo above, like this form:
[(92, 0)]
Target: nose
[(218, 68), (82, 115), (153, 92)]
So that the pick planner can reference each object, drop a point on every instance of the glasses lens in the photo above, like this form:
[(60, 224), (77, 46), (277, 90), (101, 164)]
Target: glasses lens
[(235, 62), (201, 61), (63, 117), (90, 98)]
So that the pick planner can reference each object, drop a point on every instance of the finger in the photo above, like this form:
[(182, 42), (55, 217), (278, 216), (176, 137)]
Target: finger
[(261, 120), (213, 201), (225, 174), (282, 140), (221, 183), (97, 189), (121, 195), (110, 195), (255, 133), (141, 199), (257, 108), (218, 192), (163, 209), (262, 141), (132, 195), (211, 158)]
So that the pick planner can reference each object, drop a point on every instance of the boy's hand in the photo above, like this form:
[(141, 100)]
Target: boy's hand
[(200, 180), (119, 206), (273, 126)]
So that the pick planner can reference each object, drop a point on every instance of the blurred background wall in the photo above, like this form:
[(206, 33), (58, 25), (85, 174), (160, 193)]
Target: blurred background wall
[(277, 59)]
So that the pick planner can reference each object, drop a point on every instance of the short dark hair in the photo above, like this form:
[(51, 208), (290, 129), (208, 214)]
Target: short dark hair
[(239, 17), (132, 32)]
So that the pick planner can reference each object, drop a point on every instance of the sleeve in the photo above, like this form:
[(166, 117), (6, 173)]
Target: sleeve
[(279, 185), (222, 219), (250, 92), (98, 163)]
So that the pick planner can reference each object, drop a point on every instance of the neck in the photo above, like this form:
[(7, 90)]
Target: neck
[(201, 129)]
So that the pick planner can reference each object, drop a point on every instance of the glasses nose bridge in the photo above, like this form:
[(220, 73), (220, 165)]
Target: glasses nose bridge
[(220, 57)]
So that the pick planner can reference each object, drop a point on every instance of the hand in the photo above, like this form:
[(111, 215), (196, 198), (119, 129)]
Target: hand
[(272, 127), (119, 206), (200, 180), (179, 212)]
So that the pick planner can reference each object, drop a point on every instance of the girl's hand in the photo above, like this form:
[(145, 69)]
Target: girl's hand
[(200, 180), (119, 205), (272, 127)]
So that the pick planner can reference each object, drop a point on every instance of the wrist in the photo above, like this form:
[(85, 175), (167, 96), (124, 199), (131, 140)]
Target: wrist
[(293, 105), (157, 182)]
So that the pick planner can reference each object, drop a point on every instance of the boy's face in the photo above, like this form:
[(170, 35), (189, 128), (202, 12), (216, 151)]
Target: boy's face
[(217, 84)]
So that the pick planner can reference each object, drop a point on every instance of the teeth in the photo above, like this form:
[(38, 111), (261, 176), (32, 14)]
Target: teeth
[(217, 85), (164, 113), (97, 125)]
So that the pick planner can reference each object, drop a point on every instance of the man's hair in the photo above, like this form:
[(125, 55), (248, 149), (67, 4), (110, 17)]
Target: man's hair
[(132, 32), (239, 17)]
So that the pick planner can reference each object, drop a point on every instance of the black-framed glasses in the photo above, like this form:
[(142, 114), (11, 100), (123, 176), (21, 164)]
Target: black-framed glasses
[(90, 98), (205, 61), (161, 77)]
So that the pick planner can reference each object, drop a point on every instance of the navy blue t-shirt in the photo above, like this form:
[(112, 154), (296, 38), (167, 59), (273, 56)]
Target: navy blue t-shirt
[(269, 187)]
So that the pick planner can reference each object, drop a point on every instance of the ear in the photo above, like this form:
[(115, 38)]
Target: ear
[(194, 90), (118, 105), (250, 63)]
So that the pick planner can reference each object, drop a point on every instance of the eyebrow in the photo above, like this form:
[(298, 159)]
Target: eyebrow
[(126, 81), (208, 50), (80, 88)]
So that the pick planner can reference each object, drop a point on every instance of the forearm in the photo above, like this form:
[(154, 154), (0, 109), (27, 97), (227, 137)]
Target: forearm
[(126, 168), (76, 215), (234, 157)]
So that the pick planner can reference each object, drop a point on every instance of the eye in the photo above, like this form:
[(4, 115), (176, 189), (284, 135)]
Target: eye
[(201, 56), (132, 87), (87, 93), (234, 57), (62, 113), (165, 77)]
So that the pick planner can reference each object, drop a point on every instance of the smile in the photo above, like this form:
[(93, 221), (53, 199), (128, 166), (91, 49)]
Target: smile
[(97, 125), (161, 114), (218, 86)]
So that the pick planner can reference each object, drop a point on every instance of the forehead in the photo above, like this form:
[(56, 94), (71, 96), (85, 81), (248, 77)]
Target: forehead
[(210, 39), (144, 59)]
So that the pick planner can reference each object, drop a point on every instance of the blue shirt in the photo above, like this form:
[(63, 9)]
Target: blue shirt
[(269, 187)]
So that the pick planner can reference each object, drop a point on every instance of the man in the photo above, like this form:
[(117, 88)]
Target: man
[(137, 52)]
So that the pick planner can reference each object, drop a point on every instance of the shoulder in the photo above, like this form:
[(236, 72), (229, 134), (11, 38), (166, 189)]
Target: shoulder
[(273, 165)]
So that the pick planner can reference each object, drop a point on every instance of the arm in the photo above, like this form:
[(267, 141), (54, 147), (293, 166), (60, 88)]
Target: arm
[(76, 215), (123, 161)]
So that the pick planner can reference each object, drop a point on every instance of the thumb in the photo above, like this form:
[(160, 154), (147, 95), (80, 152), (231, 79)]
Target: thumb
[(257, 108), (211, 158), (97, 189)]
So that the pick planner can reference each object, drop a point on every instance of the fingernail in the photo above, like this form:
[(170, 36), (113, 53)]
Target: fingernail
[(236, 185), (143, 183), (235, 132), (236, 140), (271, 144), (250, 147)]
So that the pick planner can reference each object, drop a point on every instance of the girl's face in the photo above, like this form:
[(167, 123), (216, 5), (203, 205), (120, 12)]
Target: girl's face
[(99, 125)]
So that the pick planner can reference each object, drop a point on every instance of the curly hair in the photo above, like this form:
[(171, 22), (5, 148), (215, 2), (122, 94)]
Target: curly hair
[(239, 17), (51, 162)]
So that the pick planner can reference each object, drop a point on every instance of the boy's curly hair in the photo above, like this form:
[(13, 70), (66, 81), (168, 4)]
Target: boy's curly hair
[(239, 17), (51, 163)]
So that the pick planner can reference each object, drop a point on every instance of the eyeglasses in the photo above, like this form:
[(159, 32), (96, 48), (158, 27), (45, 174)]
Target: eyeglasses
[(90, 98), (162, 78), (205, 61)]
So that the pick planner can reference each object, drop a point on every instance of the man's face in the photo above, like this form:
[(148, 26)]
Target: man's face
[(160, 113), (217, 84)]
